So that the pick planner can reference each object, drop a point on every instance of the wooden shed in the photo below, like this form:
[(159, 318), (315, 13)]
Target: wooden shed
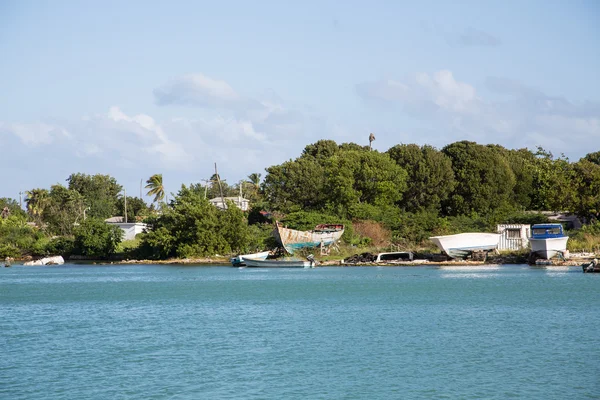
[(513, 236)]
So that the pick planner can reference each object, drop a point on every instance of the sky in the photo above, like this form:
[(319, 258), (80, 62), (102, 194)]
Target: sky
[(136, 88)]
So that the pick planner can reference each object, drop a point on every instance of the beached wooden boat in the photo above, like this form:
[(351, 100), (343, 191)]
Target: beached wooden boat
[(240, 260), (322, 236), (281, 263), (463, 244)]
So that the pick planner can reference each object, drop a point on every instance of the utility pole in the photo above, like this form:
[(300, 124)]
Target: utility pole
[(125, 197), (220, 187), (205, 186), (20, 199)]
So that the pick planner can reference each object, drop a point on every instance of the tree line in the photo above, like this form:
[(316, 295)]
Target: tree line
[(411, 191)]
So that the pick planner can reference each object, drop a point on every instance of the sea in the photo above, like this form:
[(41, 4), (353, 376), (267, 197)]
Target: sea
[(198, 332)]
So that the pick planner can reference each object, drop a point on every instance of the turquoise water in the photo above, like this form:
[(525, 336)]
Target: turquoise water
[(184, 332)]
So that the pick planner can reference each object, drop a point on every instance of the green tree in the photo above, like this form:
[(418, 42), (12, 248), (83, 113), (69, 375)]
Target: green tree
[(353, 146), (484, 179), (95, 238), (36, 200), (13, 207), (191, 227), (17, 238), (64, 210), (587, 203), (552, 179), (233, 227), (522, 164), (254, 179), (295, 185), (321, 150), (214, 190), (155, 184), (100, 192), (137, 208), (369, 177), (430, 176), (593, 157)]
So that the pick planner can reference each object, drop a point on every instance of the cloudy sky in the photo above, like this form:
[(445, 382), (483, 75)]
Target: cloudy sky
[(133, 88)]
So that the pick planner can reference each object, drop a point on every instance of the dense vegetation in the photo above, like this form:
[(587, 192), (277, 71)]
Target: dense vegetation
[(398, 197)]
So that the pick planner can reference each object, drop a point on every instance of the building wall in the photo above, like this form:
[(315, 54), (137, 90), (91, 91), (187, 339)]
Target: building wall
[(131, 229), (513, 236), (242, 204)]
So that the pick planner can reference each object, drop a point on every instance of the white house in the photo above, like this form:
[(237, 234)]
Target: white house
[(513, 236), (130, 229), (240, 202)]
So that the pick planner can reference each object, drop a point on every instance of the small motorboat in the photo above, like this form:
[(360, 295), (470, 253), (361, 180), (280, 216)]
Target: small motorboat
[(310, 262), (240, 261), (593, 266)]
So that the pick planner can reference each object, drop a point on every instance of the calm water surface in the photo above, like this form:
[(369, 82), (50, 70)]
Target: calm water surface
[(183, 332)]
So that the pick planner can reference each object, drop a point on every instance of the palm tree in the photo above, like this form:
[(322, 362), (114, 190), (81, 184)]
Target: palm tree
[(371, 138), (37, 200), (254, 179), (155, 184)]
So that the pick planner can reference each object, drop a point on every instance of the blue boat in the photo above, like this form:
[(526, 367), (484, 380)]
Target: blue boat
[(548, 240)]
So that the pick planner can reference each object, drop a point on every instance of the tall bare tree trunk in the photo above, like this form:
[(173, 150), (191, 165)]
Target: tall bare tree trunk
[(371, 138)]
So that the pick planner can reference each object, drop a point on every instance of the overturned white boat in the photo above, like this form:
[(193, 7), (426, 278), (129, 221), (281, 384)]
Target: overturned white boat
[(56, 260), (463, 244)]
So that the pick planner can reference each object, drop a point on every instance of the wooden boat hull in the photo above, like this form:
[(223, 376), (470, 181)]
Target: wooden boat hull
[(292, 240), (462, 244)]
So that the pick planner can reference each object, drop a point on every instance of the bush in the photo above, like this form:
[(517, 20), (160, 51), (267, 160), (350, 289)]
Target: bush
[(372, 233), (9, 250), (18, 239), (61, 245), (95, 238), (585, 239), (261, 238)]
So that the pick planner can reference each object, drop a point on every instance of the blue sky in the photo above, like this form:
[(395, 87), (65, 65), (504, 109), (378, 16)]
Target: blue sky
[(139, 87)]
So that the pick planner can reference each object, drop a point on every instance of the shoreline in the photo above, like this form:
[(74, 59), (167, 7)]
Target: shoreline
[(333, 263)]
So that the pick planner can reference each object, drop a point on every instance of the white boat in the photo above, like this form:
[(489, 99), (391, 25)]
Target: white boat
[(323, 235), (55, 260), (394, 256), (241, 259), (462, 244), (281, 263), (548, 240)]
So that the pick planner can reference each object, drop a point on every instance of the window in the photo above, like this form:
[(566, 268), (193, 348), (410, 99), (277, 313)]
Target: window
[(513, 233)]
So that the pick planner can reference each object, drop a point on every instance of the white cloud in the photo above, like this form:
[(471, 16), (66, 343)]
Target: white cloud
[(424, 93), (475, 37), (196, 90), (523, 117), (130, 146), (35, 134)]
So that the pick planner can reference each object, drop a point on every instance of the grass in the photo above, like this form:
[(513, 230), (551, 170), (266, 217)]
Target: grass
[(127, 246)]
